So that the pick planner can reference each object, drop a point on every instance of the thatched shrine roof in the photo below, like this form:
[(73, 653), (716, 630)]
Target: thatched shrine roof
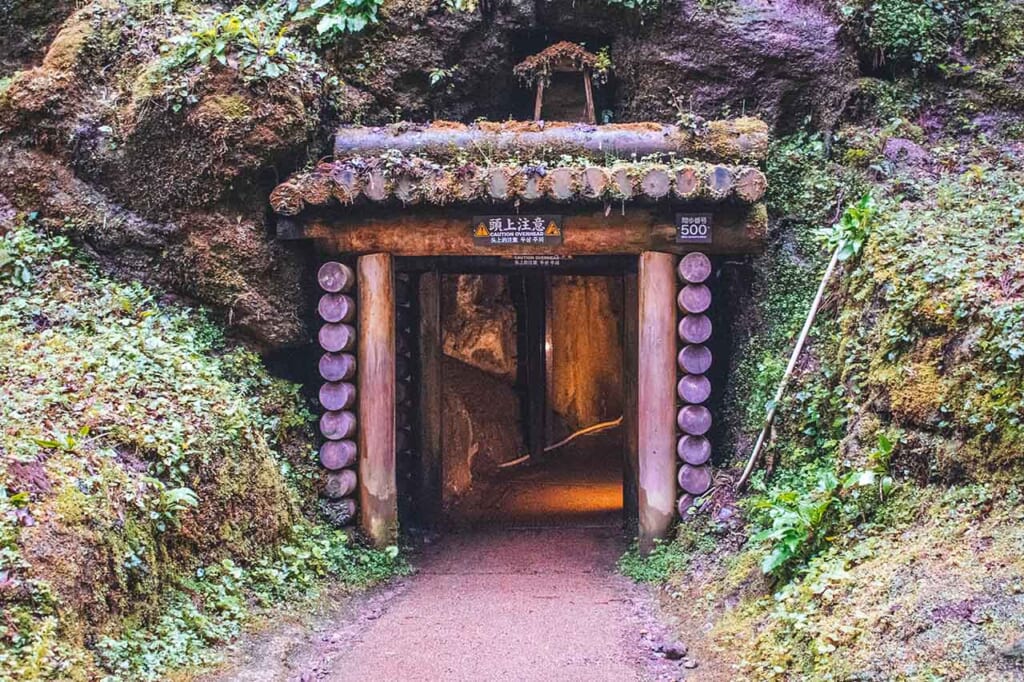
[(563, 56)]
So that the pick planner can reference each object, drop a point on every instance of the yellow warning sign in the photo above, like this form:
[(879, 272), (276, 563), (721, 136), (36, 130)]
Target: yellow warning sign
[(517, 230)]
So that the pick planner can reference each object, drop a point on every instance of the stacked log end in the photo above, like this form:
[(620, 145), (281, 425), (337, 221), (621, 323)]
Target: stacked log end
[(694, 389), (339, 452), (344, 182)]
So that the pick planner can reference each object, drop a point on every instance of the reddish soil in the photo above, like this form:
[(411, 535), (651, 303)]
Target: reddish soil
[(527, 590)]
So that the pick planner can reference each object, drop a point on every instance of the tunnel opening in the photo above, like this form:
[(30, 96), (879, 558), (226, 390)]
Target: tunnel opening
[(527, 419)]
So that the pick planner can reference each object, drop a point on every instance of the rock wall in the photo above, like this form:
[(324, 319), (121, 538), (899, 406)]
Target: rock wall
[(479, 325), (481, 426), (188, 157), (586, 350)]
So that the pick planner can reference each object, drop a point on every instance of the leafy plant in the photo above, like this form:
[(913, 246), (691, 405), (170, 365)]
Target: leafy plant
[(853, 228), (804, 518), (336, 18), (663, 561)]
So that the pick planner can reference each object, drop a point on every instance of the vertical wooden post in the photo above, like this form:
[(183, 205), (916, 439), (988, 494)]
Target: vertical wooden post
[(539, 101), (378, 495), (589, 115), (536, 365), (656, 403), (430, 396), (630, 426)]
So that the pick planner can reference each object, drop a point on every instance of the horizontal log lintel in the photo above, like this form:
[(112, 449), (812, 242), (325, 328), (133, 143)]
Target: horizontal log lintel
[(735, 230)]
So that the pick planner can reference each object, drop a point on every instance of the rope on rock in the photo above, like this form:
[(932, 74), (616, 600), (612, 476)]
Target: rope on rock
[(596, 428)]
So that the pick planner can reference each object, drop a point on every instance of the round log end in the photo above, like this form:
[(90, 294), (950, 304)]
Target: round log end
[(695, 480), (719, 183), (694, 267), (533, 188), (685, 506), (336, 308), (375, 187), (336, 337), (337, 395), (694, 388), (338, 454), (562, 184), (337, 366), (407, 190), (345, 184), (694, 450), (340, 512), (687, 182), (694, 420), (695, 359), (655, 183), (340, 484), (286, 200), (695, 328), (751, 185), (595, 182), (337, 425), (499, 183), (694, 298), (622, 184), (335, 277)]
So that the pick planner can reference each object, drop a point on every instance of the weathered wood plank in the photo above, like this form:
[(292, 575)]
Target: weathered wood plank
[(630, 426), (735, 230), (656, 387), (431, 424), (378, 495)]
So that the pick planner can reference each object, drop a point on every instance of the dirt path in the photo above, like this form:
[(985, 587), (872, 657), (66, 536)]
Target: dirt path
[(525, 604), (529, 592)]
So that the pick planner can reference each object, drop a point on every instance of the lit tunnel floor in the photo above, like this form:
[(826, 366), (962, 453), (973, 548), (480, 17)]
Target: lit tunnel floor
[(577, 485)]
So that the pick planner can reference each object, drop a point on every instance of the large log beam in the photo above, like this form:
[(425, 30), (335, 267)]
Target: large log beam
[(656, 389), (735, 230), (743, 139), (378, 494)]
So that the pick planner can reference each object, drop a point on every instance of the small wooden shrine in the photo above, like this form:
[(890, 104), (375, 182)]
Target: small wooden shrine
[(654, 204), (541, 70)]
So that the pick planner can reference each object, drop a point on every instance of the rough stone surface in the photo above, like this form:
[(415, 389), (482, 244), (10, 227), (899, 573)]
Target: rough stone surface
[(782, 60), (92, 108), (479, 326), (481, 428), (586, 350)]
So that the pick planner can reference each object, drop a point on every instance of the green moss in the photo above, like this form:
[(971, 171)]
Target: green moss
[(138, 447), (224, 107)]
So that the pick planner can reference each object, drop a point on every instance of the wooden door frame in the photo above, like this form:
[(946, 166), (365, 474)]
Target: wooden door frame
[(649, 401)]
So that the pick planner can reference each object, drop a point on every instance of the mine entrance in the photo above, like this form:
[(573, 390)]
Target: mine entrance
[(512, 391)]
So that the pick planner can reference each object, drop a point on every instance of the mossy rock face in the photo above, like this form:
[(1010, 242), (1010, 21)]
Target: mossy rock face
[(26, 28)]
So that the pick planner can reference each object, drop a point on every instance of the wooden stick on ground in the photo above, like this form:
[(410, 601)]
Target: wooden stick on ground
[(801, 340)]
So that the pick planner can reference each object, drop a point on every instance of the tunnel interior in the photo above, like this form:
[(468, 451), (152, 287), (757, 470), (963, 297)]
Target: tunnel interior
[(532, 393)]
